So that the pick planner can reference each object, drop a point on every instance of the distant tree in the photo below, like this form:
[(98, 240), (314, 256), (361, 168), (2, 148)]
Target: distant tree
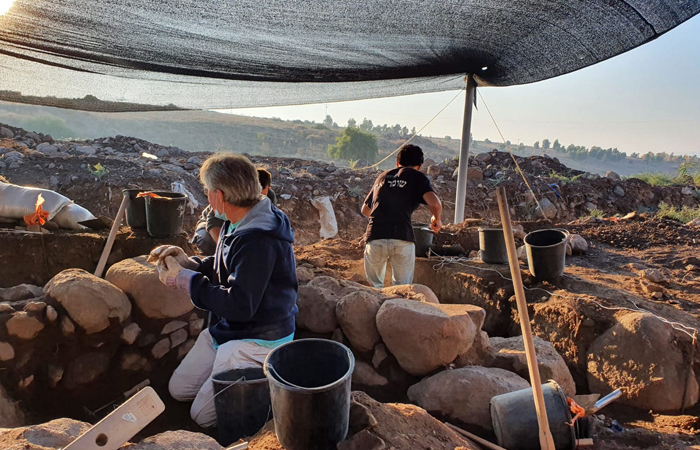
[(328, 121), (366, 125), (486, 141), (545, 143), (521, 146), (352, 122), (354, 144), (556, 146), (448, 138), (536, 144), (634, 155), (413, 131), (404, 131)]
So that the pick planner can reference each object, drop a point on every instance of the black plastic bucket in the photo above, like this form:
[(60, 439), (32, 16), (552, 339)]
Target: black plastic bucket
[(242, 403), (546, 253), (165, 216), (423, 236), (136, 209), (492, 246), (310, 393), (515, 421)]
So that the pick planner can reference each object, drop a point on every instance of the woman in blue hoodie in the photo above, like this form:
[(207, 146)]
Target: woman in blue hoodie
[(249, 284)]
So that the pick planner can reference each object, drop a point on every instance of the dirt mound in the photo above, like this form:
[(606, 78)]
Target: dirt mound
[(647, 232), (395, 425), (93, 172)]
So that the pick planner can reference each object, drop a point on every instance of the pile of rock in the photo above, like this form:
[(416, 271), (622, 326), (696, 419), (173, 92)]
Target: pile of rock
[(80, 327), (407, 343)]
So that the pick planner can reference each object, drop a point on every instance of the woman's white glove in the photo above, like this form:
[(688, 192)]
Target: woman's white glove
[(159, 253), (173, 275)]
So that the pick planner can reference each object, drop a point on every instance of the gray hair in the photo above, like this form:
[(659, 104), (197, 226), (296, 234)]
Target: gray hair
[(234, 175)]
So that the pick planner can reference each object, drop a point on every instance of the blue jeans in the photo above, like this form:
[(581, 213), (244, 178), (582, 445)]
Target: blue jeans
[(400, 254)]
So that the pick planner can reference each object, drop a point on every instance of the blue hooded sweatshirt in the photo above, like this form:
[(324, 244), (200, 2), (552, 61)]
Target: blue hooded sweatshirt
[(250, 284)]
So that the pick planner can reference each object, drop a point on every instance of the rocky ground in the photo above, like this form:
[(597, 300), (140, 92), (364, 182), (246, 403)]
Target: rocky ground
[(622, 315), (68, 167)]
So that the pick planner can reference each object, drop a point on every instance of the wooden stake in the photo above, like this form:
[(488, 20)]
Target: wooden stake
[(110, 239), (546, 440), (474, 437)]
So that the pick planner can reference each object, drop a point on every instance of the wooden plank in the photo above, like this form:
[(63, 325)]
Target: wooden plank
[(112, 235), (546, 439), (474, 437), (122, 424)]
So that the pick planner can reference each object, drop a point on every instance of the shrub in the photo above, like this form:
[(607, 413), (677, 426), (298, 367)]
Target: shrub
[(684, 215)]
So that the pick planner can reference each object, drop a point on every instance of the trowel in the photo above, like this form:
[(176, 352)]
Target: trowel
[(116, 401)]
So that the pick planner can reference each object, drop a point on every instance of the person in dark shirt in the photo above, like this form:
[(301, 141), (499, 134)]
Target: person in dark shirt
[(265, 179), (389, 205), (249, 285), (206, 234)]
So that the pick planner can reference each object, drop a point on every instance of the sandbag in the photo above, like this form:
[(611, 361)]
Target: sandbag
[(18, 201), (70, 215), (329, 225)]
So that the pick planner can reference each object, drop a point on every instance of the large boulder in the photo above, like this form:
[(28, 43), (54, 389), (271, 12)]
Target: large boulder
[(340, 288), (356, 313), (418, 292), (479, 354), (139, 279), (644, 358), (90, 301), (464, 394), (509, 354), (316, 309), (177, 440), (56, 434), (425, 336), (20, 292), (396, 426)]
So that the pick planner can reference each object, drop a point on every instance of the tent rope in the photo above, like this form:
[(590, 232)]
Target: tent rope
[(416, 133), (507, 146)]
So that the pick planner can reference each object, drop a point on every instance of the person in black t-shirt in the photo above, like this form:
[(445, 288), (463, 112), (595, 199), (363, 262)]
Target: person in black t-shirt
[(389, 205)]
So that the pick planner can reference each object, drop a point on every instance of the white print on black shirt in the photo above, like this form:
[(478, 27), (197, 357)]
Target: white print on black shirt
[(396, 183)]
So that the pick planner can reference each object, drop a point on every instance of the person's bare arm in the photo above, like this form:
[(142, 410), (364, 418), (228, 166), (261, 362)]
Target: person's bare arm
[(366, 211), (214, 233), (435, 207)]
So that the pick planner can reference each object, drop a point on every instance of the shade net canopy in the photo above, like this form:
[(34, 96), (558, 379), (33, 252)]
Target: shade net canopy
[(146, 54)]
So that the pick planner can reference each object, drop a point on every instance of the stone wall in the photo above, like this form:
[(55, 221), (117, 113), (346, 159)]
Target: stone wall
[(86, 339)]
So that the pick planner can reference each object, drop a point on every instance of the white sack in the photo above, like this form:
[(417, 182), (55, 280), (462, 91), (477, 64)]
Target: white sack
[(70, 215), (329, 226), (179, 187), (18, 201)]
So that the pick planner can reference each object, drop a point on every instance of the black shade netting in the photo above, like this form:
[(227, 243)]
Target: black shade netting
[(225, 54)]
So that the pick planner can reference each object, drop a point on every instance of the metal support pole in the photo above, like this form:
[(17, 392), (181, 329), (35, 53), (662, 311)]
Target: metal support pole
[(464, 151)]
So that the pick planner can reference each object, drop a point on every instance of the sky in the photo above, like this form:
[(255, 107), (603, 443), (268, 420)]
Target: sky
[(647, 99)]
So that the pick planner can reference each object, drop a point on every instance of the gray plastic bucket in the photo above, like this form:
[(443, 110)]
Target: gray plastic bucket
[(423, 236), (514, 419), (546, 253), (310, 393), (492, 246), (242, 403)]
